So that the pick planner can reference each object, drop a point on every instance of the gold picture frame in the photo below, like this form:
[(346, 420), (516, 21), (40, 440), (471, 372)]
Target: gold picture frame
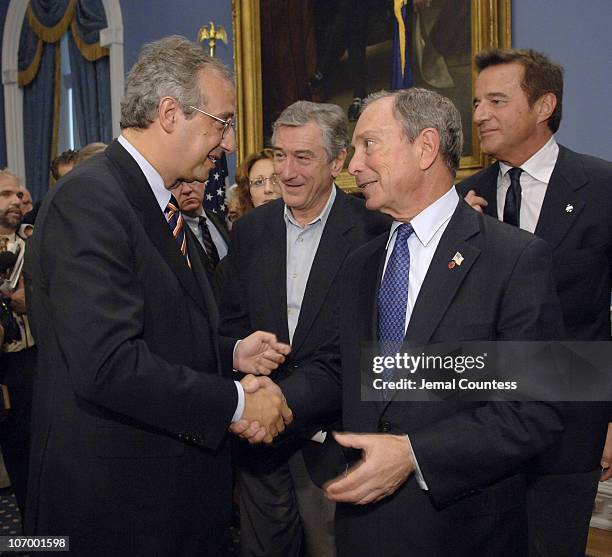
[(490, 27)]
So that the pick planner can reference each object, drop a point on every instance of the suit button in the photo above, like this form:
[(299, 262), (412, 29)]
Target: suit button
[(295, 366), (384, 427)]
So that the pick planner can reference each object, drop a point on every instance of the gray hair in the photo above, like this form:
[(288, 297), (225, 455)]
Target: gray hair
[(329, 117), (169, 67), (417, 109)]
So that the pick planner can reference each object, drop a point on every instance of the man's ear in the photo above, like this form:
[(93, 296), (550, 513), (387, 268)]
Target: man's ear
[(167, 112), (429, 139), (338, 163), (545, 106)]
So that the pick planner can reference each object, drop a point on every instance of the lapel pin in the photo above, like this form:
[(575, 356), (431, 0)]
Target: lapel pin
[(451, 264), (458, 258), (569, 208)]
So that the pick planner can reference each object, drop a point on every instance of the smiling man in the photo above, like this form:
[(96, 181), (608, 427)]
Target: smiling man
[(441, 477), (129, 450), (564, 198), (284, 259)]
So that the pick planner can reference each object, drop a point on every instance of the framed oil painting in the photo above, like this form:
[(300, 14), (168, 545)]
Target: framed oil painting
[(341, 50)]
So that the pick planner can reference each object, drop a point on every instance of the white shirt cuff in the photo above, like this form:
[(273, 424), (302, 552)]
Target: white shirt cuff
[(417, 470), (240, 406)]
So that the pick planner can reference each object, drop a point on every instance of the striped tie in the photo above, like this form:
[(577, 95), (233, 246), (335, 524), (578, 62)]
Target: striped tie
[(177, 225)]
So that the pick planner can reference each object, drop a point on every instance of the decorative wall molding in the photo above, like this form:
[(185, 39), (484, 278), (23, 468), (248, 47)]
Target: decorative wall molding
[(111, 37)]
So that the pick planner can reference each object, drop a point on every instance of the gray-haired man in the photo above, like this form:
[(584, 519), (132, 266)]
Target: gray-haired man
[(283, 261), (129, 452)]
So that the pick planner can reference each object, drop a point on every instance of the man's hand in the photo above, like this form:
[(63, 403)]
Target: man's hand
[(475, 202), (265, 411), (606, 457), (386, 464), (260, 353)]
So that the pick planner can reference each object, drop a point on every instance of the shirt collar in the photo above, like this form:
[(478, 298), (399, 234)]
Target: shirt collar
[(322, 217), (196, 220), (541, 164), (156, 182), (430, 219)]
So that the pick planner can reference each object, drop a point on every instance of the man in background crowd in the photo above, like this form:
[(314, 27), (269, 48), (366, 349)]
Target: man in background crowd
[(18, 351)]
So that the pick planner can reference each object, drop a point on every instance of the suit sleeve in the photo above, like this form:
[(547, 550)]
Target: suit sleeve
[(314, 393), (477, 447), (88, 267)]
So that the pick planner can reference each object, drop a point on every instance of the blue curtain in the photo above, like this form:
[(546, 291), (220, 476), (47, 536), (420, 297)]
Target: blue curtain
[(39, 61), (91, 79), (36, 65)]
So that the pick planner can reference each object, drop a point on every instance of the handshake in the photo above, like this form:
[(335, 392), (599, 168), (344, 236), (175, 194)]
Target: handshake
[(265, 412)]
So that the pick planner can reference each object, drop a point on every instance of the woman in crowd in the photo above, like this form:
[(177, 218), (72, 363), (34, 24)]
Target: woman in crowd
[(257, 183)]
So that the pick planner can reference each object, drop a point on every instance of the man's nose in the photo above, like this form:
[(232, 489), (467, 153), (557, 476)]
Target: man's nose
[(228, 142)]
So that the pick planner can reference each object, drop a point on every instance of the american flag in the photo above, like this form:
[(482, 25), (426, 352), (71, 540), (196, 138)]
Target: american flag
[(214, 193)]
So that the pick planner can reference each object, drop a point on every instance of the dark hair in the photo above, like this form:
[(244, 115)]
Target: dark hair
[(242, 178), (541, 75), (67, 157)]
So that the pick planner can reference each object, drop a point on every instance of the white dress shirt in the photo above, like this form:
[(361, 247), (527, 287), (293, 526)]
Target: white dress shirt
[(217, 238), (428, 225), (302, 245), (162, 195), (534, 181)]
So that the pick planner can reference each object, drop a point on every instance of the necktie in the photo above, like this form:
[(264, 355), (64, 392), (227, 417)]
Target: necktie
[(512, 207), (209, 245), (177, 225), (393, 298)]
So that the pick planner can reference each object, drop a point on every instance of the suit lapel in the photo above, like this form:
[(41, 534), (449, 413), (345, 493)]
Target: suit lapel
[(331, 252), (561, 206), (137, 189), (441, 282), (196, 256), (273, 271), (487, 188), (219, 225)]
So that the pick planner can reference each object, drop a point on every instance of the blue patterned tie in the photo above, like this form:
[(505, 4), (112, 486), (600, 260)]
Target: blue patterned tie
[(393, 298)]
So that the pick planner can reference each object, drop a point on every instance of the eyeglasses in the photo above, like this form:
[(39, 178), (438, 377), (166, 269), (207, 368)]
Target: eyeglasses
[(229, 123), (259, 181)]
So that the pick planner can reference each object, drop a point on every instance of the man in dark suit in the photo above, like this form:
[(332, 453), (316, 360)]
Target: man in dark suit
[(565, 198), (435, 478), (208, 228), (284, 258), (131, 406)]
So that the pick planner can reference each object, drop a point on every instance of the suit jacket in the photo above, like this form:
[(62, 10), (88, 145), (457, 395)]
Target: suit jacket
[(255, 296), (575, 222), (219, 224), (130, 411), (469, 452)]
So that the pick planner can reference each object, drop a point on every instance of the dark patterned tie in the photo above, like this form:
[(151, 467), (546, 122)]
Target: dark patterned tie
[(177, 225), (393, 298), (209, 245), (512, 207)]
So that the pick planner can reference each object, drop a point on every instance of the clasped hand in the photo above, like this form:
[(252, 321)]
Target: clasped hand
[(265, 411)]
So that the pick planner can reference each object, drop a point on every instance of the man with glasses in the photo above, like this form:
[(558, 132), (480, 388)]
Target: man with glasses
[(283, 262), (131, 403)]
